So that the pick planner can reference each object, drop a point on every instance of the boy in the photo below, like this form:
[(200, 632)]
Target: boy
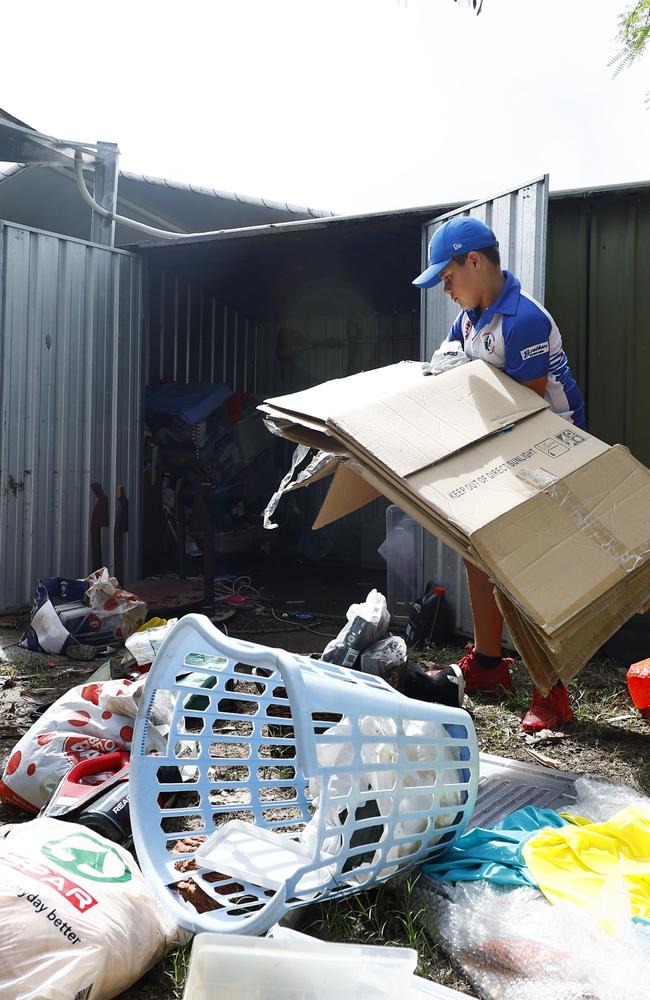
[(502, 325)]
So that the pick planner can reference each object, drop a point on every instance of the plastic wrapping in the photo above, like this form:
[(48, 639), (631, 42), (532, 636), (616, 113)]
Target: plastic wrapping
[(515, 945), (318, 462), (366, 624), (383, 656)]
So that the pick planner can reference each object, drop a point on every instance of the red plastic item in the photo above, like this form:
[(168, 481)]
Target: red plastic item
[(75, 789), (638, 683)]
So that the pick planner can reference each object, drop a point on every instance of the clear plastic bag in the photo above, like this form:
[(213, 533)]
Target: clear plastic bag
[(383, 656), (514, 945)]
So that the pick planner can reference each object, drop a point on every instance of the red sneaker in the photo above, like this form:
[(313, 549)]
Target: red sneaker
[(480, 678), (549, 712)]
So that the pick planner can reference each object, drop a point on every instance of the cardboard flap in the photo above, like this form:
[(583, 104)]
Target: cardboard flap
[(347, 492), (475, 486), (284, 419), (301, 434), (561, 550), (413, 427), (324, 400)]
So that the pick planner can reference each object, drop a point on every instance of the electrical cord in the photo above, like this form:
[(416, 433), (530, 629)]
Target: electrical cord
[(114, 217), (308, 628)]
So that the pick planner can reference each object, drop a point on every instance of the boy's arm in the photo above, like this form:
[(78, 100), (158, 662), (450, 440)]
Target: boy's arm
[(538, 385)]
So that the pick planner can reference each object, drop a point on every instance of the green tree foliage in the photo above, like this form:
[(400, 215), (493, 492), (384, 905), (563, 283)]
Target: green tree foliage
[(633, 34)]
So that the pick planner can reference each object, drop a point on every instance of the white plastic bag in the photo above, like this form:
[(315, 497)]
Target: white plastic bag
[(116, 609), (87, 721), (450, 354), (366, 623), (424, 773), (77, 920)]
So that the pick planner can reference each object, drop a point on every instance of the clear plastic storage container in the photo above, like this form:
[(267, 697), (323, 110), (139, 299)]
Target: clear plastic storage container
[(235, 967), (402, 551)]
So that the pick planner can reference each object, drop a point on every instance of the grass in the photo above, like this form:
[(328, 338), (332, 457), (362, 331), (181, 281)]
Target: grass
[(387, 916), (176, 966)]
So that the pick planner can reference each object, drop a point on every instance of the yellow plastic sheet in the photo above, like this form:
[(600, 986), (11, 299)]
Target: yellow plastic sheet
[(603, 867)]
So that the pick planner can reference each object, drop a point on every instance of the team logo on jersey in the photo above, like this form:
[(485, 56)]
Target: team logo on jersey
[(534, 352), (488, 343), (467, 327)]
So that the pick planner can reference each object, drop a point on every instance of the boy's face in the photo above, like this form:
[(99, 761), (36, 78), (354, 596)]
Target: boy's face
[(465, 283)]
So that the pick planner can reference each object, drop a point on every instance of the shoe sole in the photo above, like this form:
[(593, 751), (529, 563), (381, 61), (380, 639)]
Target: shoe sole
[(459, 679)]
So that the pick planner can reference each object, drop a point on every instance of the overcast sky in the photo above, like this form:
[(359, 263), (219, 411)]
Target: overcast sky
[(351, 105)]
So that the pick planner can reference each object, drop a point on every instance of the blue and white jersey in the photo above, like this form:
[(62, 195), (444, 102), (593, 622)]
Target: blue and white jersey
[(519, 336)]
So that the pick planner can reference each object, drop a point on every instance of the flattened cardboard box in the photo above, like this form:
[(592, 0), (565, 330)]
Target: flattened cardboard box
[(558, 518)]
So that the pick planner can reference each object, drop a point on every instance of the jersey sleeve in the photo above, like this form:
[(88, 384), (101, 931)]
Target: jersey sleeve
[(527, 347), (456, 332)]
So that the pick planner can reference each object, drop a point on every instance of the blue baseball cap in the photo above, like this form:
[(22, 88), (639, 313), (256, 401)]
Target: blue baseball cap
[(456, 236)]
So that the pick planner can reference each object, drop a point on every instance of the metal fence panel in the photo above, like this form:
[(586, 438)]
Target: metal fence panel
[(70, 404), (518, 218), (618, 359)]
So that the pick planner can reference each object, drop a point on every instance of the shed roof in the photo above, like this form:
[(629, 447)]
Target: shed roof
[(45, 196)]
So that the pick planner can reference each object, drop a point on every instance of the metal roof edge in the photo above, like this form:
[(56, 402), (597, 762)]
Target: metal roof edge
[(293, 226), (629, 187), (11, 170), (279, 206)]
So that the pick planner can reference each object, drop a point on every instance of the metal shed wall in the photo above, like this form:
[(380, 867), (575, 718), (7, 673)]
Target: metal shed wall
[(329, 347), (191, 336), (598, 293), (333, 347), (70, 404)]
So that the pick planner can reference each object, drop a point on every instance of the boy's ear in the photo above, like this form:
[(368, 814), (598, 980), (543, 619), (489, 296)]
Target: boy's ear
[(474, 259)]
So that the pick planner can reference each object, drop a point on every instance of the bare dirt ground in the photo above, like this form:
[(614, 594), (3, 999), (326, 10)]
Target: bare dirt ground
[(607, 738)]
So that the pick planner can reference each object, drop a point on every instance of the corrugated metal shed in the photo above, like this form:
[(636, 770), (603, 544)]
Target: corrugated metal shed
[(70, 403)]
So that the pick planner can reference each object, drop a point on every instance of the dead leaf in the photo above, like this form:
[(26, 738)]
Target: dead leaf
[(543, 759), (544, 736)]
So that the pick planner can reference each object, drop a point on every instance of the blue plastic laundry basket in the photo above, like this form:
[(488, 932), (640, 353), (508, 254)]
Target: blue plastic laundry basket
[(286, 780)]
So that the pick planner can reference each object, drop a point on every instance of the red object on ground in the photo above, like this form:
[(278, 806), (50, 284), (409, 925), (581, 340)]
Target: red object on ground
[(78, 787), (638, 683), (549, 712), (488, 679)]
